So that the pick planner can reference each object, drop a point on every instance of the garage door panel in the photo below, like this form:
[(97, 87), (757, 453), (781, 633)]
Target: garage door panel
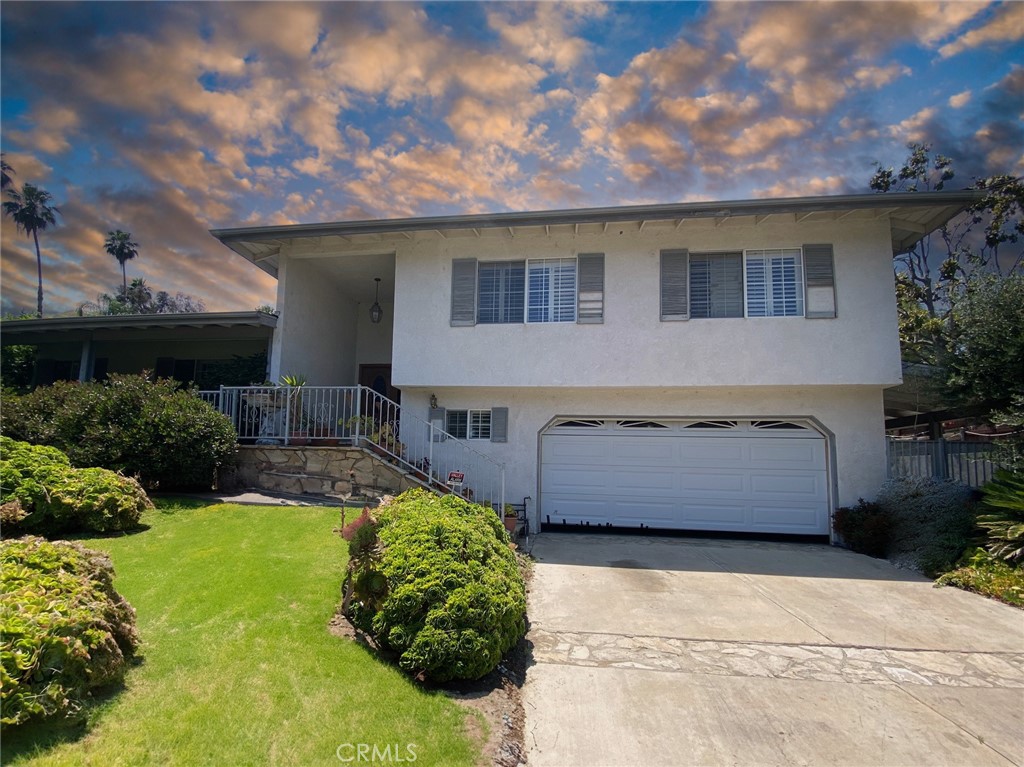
[(790, 484), (712, 515), (796, 452), (645, 482), (694, 451), (740, 480), (627, 450), (785, 517), (713, 482)]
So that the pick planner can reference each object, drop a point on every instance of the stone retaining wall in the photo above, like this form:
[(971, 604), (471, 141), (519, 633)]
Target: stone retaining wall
[(338, 471)]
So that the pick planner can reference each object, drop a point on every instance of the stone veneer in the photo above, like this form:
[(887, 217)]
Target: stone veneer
[(338, 471)]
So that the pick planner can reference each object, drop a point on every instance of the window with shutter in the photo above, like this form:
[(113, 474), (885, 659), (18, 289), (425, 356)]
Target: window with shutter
[(716, 285), (463, 292), (774, 283), (468, 424), (501, 289), (819, 273), (590, 306), (551, 290), (674, 290)]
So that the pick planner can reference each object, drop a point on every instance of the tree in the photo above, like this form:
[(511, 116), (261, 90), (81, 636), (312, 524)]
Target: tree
[(985, 358), (935, 273), (119, 244), (138, 298), (6, 171), (32, 212)]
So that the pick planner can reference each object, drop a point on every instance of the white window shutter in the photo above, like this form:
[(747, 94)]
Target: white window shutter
[(820, 278), (757, 286), (590, 288), (463, 292), (674, 287), (499, 424)]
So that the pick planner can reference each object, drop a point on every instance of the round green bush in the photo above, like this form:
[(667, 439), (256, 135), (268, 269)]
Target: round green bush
[(65, 630), (166, 437), (439, 585), (51, 497)]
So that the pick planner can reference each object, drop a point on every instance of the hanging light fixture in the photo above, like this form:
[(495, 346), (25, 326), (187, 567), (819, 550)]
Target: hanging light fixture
[(376, 313)]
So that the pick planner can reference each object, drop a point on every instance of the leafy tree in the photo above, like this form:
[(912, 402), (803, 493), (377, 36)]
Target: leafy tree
[(6, 171), (985, 356), (935, 273), (32, 212), (120, 245), (138, 298)]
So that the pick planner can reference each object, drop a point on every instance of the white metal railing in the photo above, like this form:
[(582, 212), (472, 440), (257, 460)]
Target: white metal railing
[(359, 416)]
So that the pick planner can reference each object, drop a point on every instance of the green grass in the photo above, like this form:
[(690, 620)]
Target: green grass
[(980, 572), (238, 665)]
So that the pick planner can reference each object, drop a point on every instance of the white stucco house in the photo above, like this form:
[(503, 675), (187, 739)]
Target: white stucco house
[(709, 366)]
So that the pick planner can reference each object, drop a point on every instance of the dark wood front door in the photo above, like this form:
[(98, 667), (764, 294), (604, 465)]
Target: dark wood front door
[(378, 378)]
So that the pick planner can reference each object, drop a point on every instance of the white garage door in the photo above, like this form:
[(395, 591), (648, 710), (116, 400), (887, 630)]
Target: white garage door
[(753, 476)]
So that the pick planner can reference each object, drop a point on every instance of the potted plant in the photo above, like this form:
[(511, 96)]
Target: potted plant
[(386, 438), (510, 519)]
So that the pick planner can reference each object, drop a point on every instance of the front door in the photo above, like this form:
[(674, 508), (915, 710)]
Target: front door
[(378, 378)]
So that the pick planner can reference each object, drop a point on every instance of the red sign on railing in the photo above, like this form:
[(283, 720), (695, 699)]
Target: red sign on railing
[(456, 477)]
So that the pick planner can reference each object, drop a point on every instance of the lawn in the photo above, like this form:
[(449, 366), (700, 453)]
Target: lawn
[(238, 666)]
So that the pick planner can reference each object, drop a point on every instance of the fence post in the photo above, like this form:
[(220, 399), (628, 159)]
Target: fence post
[(939, 468)]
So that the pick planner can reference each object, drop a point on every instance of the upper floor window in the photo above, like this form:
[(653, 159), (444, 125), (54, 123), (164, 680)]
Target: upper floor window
[(780, 282), (551, 290), (775, 283), (533, 290), (501, 291)]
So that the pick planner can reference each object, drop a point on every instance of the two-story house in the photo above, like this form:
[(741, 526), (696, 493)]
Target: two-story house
[(712, 366)]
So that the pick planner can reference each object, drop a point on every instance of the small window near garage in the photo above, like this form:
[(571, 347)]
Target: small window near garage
[(579, 425), (468, 424), (712, 425), (642, 425)]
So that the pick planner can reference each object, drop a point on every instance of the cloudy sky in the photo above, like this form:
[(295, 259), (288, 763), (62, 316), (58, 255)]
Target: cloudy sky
[(168, 119)]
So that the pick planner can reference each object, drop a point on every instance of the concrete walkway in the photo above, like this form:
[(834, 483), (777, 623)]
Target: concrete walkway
[(670, 651)]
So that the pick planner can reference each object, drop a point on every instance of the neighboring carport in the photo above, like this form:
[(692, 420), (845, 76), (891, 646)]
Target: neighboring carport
[(680, 651)]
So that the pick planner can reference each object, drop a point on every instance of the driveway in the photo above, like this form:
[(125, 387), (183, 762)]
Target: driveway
[(670, 651)]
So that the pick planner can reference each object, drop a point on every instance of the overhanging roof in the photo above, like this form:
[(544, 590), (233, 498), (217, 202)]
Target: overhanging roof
[(31, 331), (911, 216)]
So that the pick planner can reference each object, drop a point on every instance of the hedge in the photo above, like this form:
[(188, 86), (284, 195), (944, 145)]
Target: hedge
[(167, 437), (434, 579), (41, 492), (65, 631)]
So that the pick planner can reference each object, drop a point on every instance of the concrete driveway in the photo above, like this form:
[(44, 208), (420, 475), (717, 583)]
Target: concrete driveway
[(671, 651)]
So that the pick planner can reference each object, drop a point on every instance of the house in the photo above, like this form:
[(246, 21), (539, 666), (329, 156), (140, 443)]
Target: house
[(197, 348), (709, 366)]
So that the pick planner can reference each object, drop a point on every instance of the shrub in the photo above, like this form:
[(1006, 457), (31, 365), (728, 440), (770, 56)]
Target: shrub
[(980, 572), (932, 521), (434, 580), (65, 630), (1003, 505), (41, 492), (865, 528), (167, 437)]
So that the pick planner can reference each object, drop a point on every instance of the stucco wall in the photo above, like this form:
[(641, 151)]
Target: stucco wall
[(316, 332), (852, 414), (633, 347)]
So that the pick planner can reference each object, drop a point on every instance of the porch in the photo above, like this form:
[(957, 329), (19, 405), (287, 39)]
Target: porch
[(329, 439)]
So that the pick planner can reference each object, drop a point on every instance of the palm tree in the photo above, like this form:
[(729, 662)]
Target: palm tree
[(32, 213), (6, 171), (119, 244)]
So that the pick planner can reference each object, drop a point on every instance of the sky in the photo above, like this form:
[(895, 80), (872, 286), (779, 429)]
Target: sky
[(171, 119)]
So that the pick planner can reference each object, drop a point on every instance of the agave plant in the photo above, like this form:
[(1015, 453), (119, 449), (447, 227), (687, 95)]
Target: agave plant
[(1004, 517)]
